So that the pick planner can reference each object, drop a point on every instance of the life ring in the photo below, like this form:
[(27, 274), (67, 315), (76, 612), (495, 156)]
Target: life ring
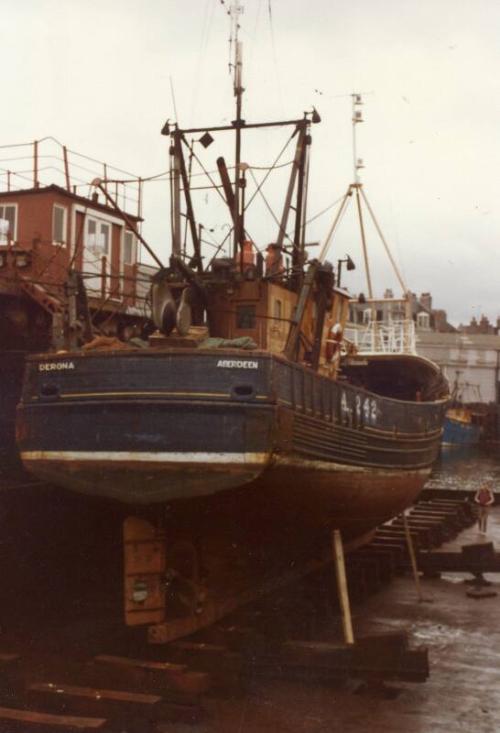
[(333, 342)]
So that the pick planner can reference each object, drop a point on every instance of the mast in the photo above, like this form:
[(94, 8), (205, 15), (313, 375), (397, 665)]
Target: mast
[(298, 258), (237, 65), (175, 200), (357, 117)]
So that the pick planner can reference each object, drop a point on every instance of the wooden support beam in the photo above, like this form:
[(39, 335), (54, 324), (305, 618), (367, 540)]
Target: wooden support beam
[(413, 558), (338, 557)]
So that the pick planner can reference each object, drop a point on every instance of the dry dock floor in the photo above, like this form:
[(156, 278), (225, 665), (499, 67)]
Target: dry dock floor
[(49, 555), (461, 694)]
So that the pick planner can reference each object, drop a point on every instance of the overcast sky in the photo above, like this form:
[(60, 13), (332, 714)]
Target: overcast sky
[(96, 74)]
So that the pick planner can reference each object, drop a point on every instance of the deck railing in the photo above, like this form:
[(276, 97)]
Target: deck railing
[(396, 337), (47, 161)]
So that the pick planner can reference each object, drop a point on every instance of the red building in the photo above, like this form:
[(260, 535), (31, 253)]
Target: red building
[(45, 232)]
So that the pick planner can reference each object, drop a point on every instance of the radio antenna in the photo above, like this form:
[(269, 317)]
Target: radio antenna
[(237, 68)]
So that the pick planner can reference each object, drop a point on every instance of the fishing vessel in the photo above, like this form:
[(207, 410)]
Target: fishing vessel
[(464, 421), (461, 428), (247, 424)]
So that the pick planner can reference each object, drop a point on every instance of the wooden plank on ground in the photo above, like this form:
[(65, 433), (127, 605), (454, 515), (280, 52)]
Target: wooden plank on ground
[(140, 698), (140, 663), (6, 658), (48, 719)]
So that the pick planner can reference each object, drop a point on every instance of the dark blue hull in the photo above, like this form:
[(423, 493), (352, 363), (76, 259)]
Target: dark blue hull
[(458, 434), (268, 434)]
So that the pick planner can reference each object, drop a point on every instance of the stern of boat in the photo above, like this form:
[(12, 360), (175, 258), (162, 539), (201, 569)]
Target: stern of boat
[(146, 426)]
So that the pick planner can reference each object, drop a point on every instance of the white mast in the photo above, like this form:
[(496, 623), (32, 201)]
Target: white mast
[(357, 117)]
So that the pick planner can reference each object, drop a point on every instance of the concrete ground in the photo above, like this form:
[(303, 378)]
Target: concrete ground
[(462, 693)]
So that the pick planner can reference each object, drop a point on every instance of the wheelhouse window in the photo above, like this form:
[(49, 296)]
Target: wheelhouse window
[(245, 317), (59, 224), (8, 220), (98, 236), (128, 248)]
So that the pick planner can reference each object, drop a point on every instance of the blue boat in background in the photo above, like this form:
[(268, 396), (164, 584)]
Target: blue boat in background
[(460, 428)]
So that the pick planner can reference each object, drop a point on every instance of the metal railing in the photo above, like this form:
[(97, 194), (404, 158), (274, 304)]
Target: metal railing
[(47, 161), (396, 337)]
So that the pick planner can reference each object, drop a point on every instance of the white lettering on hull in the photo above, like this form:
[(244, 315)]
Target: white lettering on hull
[(55, 366), (238, 364)]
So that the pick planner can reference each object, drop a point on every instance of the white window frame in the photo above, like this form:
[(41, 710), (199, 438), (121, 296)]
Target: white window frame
[(423, 320), (133, 249), (4, 242), (88, 212), (64, 209), (99, 223)]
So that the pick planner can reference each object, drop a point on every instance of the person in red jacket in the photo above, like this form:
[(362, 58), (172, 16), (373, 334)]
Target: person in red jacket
[(484, 498)]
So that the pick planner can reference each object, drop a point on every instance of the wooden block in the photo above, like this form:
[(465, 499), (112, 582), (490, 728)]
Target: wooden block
[(144, 564), (176, 675)]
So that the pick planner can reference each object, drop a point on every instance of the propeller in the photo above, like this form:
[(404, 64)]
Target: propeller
[(163, 307), (167, 314)]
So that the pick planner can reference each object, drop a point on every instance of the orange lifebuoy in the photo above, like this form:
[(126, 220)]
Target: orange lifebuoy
[(333, 341)]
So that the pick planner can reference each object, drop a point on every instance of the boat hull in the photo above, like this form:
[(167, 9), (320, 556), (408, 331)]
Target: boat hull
[(258, 436), (458, 434)]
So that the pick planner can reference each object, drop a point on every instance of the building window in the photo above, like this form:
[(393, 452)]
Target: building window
[(98, 236), (59, 224), (8, 216), (423, 320), (245, 317), (277, 309), (128, 248)]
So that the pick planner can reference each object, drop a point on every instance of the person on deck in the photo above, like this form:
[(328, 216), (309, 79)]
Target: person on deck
[(484, 498)]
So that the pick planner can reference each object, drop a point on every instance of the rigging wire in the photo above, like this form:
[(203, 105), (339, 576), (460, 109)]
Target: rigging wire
[(273, 167), (172, 94), (205, 35), (275, 56), (216, 187), (254, 34), (268, 206), (323, 211), (228, 235)]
